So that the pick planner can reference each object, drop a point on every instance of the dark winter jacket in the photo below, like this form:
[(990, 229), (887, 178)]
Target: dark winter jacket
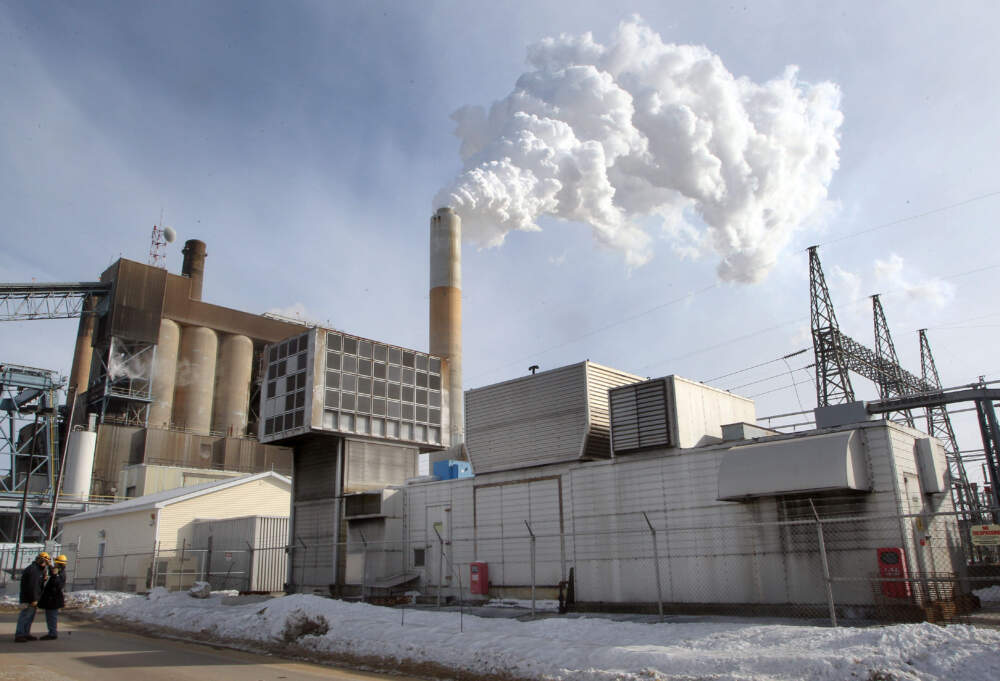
[(52, 593), (32, 580)]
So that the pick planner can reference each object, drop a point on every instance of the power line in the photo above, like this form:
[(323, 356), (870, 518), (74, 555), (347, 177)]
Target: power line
[(908, 218), (756, 366)]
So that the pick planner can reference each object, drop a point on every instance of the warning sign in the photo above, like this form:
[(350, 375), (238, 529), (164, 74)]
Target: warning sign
[(985, 535), (229, 555)]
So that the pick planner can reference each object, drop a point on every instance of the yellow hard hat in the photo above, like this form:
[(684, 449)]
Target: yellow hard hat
[(60, 560), (44, 555)]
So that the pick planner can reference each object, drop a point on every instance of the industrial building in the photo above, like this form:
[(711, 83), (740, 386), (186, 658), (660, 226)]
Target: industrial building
[(588, 460)]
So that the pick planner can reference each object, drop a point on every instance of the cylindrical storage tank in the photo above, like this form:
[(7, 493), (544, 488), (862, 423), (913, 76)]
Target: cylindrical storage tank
[(232, 386), (79, 464), (193, 265), (195, 379), (164, 374), (446, 309)]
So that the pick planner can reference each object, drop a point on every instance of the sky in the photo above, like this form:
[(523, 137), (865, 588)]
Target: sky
[(308, 144)]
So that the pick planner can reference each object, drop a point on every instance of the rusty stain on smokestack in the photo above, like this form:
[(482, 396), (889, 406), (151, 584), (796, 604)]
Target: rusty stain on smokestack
[(446, 310), (194, 265)]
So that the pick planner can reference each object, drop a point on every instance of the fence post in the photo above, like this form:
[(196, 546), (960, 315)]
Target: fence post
[(826, 566), (206, 569), (250, 551), (532, 567), (123, 576), (76, 563), (156, 567), (180, 578), (364, 563), (440, 565), (656, 566)]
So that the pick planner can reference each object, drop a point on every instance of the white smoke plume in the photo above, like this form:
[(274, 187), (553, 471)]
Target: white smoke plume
[(609, 134)]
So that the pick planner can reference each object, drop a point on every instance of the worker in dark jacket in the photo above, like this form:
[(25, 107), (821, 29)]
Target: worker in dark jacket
[(52, 596), (32, 581)]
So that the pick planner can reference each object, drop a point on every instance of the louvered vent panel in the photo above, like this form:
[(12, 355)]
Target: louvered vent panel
[(639, 416)]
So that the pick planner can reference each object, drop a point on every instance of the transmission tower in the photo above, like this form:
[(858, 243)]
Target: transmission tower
[(833, 385), (939, 426), (891, 382)]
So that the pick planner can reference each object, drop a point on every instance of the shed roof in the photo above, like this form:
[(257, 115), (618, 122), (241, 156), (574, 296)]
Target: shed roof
[(173, 496)]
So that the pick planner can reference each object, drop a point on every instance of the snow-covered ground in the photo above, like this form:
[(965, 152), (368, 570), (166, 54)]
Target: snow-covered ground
[(989, 595), (569, 648)]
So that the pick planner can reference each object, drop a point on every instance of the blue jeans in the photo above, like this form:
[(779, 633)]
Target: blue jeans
[(24, 620), (52, 620)]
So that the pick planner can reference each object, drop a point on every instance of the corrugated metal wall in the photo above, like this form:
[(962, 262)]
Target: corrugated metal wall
[(599, 381), (314, 513), (640, 416)]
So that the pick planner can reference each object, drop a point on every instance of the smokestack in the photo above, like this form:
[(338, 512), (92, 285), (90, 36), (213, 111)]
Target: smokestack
[(194, 265), (446, 310)]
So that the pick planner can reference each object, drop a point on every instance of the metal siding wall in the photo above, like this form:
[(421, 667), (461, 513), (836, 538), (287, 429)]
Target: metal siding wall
[(372, 466), (526, 422), (599, 381)]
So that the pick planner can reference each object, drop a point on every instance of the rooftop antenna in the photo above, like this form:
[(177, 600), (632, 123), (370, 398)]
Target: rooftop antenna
[(159, 239)]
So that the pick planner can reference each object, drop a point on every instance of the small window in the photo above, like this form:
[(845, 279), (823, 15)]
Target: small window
[(350, 364), (393, 409), (395, 356), (381, 352), (434, 399), (435, 365), (365, 367), (272, 354), (434, 416), (333, 360), (302, 360), (332, 379), (421, 397), (289, 421), (283, 351), (272, 388), (422, 414), (378, 407), (418, 557), (350, 346), (378, 389), (333, 341), (407, 412), (379, 370), (421, 379), (408, 358), (293, 346), (393, 391), (300, 416), (364, 404), (365, 349), (290, 384), (289, 401), (332, 399), (408, 377), (422, 362), (407, 394), (280, 371), (347, 401), (395, 373), (349, 382), (300, 399), (434, 382), (300, 381)]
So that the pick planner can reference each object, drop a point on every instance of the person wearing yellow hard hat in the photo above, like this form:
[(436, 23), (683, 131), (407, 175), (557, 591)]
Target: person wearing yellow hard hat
[(32, 582), (52, 596)]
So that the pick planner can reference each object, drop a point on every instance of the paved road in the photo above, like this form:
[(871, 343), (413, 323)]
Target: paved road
[(88, 652)]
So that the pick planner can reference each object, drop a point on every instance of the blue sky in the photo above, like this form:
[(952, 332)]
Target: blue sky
[(305, 143)]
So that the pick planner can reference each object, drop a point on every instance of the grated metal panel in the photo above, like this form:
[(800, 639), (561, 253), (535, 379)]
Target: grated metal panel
[(640, 416)]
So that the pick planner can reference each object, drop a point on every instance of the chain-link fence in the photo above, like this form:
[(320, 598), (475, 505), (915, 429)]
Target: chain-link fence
[(849, 569)]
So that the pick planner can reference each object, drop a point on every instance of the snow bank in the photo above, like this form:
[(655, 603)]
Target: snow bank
[(579, 648), (540, 605)]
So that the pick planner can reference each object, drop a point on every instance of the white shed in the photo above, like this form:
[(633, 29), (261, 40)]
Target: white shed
[(148, 541)]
